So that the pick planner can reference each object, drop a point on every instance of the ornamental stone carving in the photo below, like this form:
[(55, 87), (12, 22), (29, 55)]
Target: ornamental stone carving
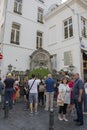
[(40, 58)]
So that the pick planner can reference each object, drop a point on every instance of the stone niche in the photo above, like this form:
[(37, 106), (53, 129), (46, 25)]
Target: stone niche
[(40, 58)]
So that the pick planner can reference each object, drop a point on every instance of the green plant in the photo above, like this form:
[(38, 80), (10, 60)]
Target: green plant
[(39, 72)]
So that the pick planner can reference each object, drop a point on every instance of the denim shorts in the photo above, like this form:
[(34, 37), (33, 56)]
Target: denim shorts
[(33, 97)]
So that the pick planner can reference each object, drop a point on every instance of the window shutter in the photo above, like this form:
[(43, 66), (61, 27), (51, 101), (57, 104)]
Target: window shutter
[(68, 58)]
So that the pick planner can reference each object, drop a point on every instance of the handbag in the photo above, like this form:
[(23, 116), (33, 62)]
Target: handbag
[(60, 100)]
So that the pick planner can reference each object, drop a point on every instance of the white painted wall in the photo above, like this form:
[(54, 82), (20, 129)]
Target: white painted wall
[(18, 55), (56, 44)]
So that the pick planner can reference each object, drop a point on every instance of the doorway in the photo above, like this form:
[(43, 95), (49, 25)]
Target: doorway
[(85, 65)]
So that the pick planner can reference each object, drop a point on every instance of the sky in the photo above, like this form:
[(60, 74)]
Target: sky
[(63, 0), (50, 2)]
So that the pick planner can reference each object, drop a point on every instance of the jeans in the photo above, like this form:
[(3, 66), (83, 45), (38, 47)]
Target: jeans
[(8, 97), (78, 106), (49, 100)]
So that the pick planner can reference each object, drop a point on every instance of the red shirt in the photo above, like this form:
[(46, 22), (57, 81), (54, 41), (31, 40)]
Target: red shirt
[(71, 86)]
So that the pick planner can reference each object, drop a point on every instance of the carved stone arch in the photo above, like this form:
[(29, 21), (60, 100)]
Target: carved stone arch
[(40, 58)]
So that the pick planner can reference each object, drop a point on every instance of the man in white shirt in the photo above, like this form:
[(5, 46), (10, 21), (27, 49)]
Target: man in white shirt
[(33, 93)]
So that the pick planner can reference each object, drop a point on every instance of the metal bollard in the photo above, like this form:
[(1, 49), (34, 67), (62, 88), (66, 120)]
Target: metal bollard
[(51, 120), (6, 111)]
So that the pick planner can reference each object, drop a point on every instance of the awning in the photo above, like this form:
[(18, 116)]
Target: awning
[(84, 49)]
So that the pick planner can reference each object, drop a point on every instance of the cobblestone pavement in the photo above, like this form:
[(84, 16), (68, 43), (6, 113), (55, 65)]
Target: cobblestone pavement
[(21, 120)]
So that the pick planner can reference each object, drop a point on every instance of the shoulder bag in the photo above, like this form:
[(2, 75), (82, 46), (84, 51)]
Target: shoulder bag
[(31, 85)]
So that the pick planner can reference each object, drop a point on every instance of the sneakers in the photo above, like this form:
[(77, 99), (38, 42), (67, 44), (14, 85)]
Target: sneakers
[(51, 109), (31, 113), (65, 119), (36, 112), (60, 118)]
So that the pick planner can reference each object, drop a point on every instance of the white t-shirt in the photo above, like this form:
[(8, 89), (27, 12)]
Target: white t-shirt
[(35, 85), (65, 93)]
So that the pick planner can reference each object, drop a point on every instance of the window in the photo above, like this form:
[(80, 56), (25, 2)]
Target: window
[(54, 61), (1, 33), (84, 27), (15, 33), (40, 15), (52, 35), (39, 40), (18, 6), (68, 58), (68, 28)]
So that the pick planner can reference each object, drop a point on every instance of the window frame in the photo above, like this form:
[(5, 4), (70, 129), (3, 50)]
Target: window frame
[(40, 15), (69, 26), (39, 39), (15, 31), (17, 8), (68, 57), (84, 27), (54, 61)]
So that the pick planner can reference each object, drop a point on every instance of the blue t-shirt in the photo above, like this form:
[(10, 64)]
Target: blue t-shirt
[(49, 85), (9, 82), (78, 84)]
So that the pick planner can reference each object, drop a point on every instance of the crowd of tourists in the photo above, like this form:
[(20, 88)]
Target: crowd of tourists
[(68, 93)]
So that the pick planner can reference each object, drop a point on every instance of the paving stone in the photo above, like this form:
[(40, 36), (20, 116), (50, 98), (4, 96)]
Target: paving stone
[(21, 120)]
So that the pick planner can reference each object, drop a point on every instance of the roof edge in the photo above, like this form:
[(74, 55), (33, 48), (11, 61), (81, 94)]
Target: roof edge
[(62, 7)]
